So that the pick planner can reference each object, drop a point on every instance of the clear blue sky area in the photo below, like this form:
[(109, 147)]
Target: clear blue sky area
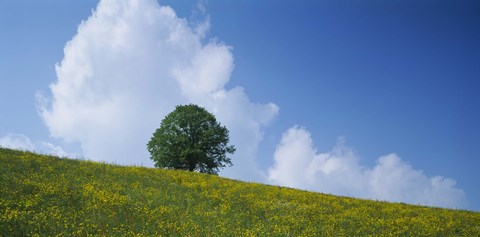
[(389, 76)]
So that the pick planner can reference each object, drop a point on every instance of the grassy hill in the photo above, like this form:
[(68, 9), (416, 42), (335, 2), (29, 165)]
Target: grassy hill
[(49, 196)]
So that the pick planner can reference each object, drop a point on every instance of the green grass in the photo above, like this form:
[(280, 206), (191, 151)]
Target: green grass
[(49, 196)]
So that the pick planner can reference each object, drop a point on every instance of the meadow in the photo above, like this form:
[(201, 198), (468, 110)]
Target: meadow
[(44, 195)]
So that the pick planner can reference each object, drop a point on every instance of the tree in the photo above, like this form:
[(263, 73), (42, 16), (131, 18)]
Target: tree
[(190, 138)]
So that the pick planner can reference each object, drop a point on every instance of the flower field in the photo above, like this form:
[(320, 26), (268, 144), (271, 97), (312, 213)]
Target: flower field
[(48, 196)]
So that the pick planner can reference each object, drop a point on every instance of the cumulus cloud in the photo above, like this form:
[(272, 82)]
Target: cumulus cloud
[(298, 164), (22, 142), (128, 66)]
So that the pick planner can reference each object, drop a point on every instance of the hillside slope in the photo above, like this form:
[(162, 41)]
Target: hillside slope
[(48, 196)]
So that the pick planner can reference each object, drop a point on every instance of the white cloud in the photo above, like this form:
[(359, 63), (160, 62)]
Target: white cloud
[(299, 165), (128, 66), (16, 141), (22, 142)]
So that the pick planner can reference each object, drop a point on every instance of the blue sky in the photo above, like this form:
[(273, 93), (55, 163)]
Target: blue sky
[(385, 77)]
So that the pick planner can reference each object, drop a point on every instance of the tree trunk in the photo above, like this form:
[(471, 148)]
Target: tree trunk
[(191, 162)]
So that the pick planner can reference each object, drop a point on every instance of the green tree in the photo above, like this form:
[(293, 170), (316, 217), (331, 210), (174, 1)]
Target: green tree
[(190, 138)]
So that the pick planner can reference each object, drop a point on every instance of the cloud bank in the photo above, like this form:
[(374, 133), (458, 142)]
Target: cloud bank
[(298, 164), (130, 63), (22, 142)]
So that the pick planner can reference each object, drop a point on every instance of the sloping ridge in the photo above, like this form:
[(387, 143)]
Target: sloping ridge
[(50, 196)]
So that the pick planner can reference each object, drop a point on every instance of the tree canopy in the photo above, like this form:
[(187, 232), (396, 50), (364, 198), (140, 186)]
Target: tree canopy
[(190, 138)]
